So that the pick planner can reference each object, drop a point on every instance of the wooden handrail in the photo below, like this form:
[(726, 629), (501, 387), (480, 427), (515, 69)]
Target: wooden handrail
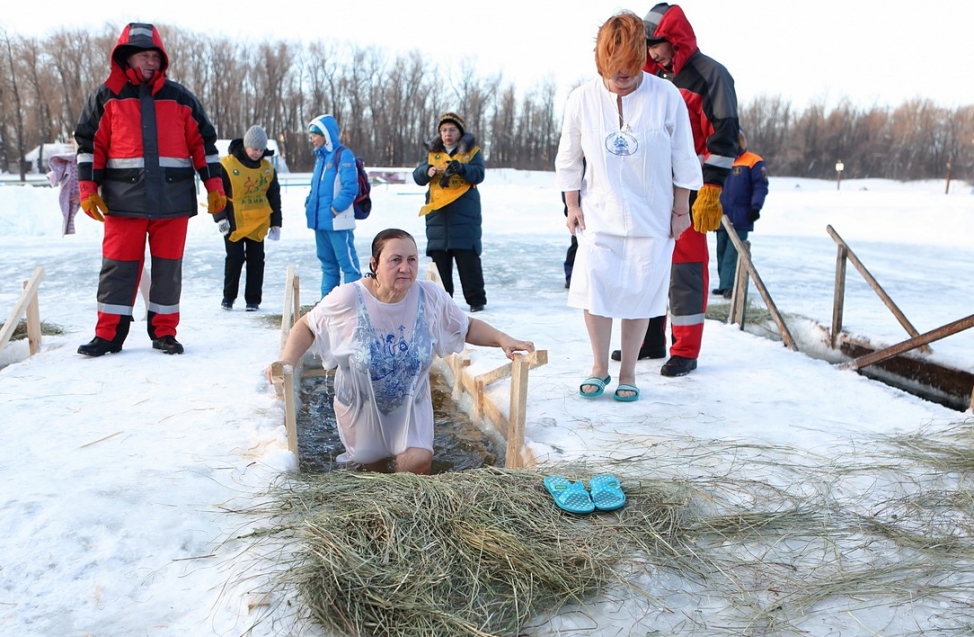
[(744, 258), (905, 346), (846, 252), (26, 304)]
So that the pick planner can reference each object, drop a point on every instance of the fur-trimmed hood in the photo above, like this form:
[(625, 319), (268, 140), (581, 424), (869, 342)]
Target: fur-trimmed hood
[(673, 27), (136, 37), (435, 144)]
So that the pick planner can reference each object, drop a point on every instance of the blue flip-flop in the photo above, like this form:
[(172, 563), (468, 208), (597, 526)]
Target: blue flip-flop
[(626, 387), (569, 496), (595, 381), (607, 495)]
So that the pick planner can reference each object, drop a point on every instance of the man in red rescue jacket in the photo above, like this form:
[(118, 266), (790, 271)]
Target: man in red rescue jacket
[(142, 139), (708, 90)]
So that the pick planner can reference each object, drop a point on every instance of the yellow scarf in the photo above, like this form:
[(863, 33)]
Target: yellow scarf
[(440, 196)]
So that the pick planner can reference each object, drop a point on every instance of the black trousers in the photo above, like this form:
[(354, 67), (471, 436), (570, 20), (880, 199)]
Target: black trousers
[(570, 259), (468, 267), (238, 253)]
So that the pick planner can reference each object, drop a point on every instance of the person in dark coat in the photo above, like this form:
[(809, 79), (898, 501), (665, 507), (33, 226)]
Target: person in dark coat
[(742, 199), (142, 140), (253, 212), (454, 166)]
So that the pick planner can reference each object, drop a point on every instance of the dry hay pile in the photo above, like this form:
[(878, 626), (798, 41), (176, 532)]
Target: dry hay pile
[(469, 553)]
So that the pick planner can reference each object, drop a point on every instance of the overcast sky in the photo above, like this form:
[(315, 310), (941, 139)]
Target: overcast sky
[(870, 51)]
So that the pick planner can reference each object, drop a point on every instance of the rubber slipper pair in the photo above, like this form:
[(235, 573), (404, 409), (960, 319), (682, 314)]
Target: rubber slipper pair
[(629, 388), (571, 496), (594, 381)]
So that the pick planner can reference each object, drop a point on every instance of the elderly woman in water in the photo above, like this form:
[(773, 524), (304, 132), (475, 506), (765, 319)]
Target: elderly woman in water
[(381, 334)]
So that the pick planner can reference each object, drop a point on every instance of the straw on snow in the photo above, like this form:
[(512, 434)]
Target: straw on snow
[(469, 553), (486, 552)]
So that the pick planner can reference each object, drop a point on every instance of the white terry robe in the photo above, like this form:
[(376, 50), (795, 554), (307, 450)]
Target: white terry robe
[(383, 352), (622, 267)]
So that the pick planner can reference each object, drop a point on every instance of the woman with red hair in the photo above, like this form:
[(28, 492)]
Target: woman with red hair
[(633, 133)]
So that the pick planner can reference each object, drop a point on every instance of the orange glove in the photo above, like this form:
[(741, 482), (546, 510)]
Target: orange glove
[(707, 210), (217, 201), (94, 207)]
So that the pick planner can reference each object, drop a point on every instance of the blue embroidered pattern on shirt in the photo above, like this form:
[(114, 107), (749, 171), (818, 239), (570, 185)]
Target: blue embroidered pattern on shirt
[(393, 363)]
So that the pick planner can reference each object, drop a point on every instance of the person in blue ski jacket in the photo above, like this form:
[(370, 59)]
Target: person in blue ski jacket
[(328, 208), (742, 199)]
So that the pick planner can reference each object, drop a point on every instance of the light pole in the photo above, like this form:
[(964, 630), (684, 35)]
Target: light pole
[(838, 174)]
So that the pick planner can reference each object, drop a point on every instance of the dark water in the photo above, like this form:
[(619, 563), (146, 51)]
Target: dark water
[(458, 444)]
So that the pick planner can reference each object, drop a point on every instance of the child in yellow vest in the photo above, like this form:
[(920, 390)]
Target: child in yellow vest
[(253, 212)]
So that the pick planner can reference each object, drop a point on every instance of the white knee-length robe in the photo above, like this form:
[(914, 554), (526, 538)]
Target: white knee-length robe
[(622, 267)]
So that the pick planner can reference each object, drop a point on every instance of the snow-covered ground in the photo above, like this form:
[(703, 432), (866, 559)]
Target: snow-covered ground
[(120, 475)]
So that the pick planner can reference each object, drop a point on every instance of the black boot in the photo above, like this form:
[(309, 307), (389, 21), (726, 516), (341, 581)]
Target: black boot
[(168, 345), (678, 366), (99, 347)]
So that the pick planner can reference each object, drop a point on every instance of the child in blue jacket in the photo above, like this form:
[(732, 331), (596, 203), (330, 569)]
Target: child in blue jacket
[(334, 186), (742, 199)]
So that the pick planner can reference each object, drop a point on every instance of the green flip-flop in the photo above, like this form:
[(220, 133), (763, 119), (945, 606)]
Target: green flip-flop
[(626, 387), (594, 381)]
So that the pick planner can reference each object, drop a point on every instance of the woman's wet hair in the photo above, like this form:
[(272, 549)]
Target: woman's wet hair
[(621, 45), (380, 242)]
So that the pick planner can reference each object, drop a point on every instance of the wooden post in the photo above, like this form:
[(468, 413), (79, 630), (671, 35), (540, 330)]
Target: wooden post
[(950, 159), (739, 296), (291, 306), (34, 335), (519, 399), (838, 294), (283, 379), (30, 291), (874, 284)]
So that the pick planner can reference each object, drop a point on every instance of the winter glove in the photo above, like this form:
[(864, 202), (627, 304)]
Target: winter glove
[(707, 210), (754, 216), (223, 226), (452, 168), (678, 224), (94, 207), (216, 202), (274, 234)]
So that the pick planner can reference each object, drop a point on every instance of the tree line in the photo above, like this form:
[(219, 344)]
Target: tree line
[(387, 104)]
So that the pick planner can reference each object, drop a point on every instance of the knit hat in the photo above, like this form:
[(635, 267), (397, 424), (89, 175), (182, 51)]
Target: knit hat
[(315, 129), (452, 118), (255, 138), (651, 23)]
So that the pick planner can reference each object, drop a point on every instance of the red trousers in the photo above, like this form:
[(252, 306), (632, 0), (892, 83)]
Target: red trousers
[(689, 281), (123, 256)]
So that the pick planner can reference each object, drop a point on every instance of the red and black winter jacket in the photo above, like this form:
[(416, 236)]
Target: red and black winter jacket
[(707, 89), (143, 141)]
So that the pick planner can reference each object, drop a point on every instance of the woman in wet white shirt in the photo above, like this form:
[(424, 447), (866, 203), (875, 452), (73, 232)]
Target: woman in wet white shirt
[(381, 334)]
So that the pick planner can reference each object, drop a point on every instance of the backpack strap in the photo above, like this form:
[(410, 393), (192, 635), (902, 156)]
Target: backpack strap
[(338, 156)]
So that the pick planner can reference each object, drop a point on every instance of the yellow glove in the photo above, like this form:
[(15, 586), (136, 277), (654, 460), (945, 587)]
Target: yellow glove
[(707, 210), (94, 207), (217, 201)]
